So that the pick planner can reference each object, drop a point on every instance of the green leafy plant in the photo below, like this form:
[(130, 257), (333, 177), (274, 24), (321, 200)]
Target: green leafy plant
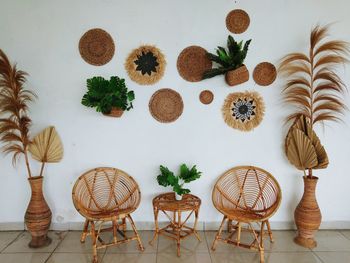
[(229, 59), (105, 94), (168, 178)]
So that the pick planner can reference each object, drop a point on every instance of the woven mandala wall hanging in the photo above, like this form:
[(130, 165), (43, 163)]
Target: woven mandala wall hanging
[(243, 110), (145, 65)]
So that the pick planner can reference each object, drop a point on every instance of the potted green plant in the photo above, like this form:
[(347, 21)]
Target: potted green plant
[(111, 97), (168, 178), (316, 91), (230, 62), (46, 147)]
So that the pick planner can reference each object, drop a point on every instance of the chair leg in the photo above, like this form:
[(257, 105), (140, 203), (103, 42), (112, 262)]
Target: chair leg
[(94, 243), (85, 231), (229, 226), (136, 233), (114, 223), (124, 226), (269, 231), (218, 234), (261, 245), (239, 230)]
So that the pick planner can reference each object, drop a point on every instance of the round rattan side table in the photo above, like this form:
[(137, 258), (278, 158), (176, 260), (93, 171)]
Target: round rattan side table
[(177, 228)]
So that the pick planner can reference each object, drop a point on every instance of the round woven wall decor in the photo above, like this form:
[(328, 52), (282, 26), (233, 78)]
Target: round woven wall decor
[(206, 96), (243, 110), (96, 47), (145, 65), (166, 105), (237, 21), (264, 74), (192, 63)]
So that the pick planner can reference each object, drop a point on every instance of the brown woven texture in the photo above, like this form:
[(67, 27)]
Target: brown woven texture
[(247, 193), (166, 105), (237, 21), (115, 112), (96, 47), (237, 76), (206, 97), (102, 193), (168, 202), (264, 74), (136, 75), (192, 63)]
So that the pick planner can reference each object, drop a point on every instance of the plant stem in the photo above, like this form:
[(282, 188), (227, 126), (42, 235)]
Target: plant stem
[(27, 162), (42, 168)]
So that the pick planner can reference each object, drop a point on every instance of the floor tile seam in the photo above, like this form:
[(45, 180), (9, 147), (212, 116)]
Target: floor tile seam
[(58, 244), (317, 256), (341, 232), (206, 241), (20, 233)]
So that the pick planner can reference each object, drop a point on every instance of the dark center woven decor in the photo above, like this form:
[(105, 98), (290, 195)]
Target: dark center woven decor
[(192, 63), (166, 105), (206, 96), (96, 47), (237, 21), (264, 74)]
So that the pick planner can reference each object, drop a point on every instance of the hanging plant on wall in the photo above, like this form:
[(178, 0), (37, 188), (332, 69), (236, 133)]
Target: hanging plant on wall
[(243, 110), (14, 134), (230, 62), (315, 90), (145, 65), (111, 97)]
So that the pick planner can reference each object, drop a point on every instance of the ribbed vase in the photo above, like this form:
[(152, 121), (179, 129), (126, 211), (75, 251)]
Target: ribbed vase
[(307, 215), (38, 215)]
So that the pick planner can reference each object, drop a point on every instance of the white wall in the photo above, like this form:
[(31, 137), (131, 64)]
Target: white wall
[(42, 36)]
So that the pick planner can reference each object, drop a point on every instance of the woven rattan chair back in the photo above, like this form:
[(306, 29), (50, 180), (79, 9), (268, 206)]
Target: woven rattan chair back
[(250, 191), (104, 190)]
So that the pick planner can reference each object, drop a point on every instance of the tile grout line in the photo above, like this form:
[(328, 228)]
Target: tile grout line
[(317, 256), (12, 241), (341, 232), (206, 240), (58, 244)]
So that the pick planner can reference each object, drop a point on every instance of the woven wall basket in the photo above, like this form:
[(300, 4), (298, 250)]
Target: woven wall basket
[(243, 110), (206, 97), (192, 63), (264, 74), (96, 47), (237, 21), (166, 105), (145, 65)]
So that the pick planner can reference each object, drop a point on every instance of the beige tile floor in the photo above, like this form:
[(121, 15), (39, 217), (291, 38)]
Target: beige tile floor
[(333, 247)]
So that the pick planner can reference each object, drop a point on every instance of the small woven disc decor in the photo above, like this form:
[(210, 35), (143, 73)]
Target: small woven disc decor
[(237, 21), (96, 47), (166, 105), (192, 63), (264, 74), (145, 65), (206, 96), (243, 110)]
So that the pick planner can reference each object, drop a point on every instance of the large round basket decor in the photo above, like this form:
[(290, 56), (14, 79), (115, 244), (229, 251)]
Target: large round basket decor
[(243, 110), (206, 97), (96, 47), (145, 65), (192, 63), (264, 74), (237, 21), (166, 105)]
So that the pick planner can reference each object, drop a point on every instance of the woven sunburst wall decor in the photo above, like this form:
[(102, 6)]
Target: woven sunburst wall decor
[(243, 110), (145, 65)]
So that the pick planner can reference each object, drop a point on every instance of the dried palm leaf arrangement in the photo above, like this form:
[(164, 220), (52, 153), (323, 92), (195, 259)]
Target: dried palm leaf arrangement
[(315, 90), (243, 110), (145, 65)]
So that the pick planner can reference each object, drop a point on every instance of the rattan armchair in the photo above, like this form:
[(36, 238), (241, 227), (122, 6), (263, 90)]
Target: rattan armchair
[(246, 196), (106, 195)]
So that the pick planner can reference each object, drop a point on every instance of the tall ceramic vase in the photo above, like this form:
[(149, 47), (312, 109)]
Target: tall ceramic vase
[(307, 215), (38, 214)]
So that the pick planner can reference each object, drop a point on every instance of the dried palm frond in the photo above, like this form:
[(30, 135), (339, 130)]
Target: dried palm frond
[(14, 121), (47, 147), (312, 84)]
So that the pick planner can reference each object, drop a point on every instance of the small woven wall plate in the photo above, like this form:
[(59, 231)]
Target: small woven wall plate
[(192, 63), (166, 105), (145, 65), (264, 74), (96, 47), (243, 110), (206, 96), (237, 21)]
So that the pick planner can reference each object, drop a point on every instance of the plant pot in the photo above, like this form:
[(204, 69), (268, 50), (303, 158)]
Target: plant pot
[(38, 215), (307, 215), (178, 197), (115, 112), (237, 76)]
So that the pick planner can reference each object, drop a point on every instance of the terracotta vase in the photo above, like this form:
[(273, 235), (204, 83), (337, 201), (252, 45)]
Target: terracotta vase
[(307, 215), (115, 112), (237, 76), (38, 214)]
